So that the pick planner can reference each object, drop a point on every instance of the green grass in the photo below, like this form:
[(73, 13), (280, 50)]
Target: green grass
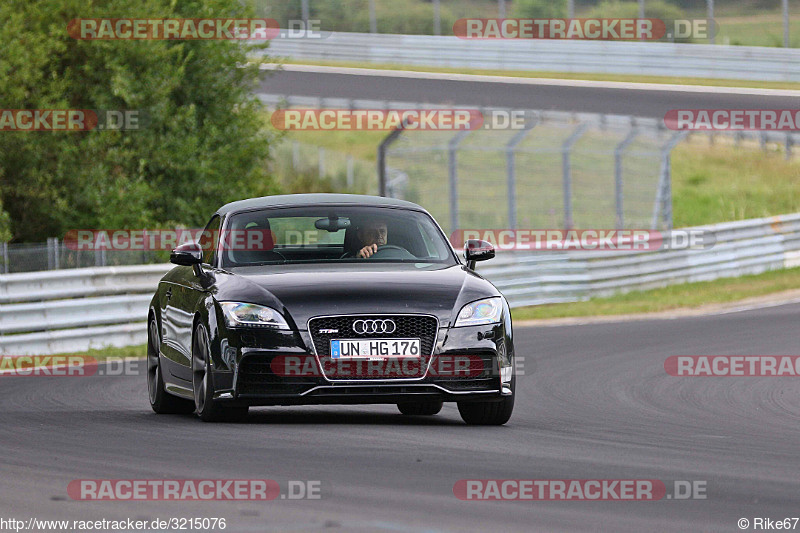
[(722, 183), (560, 75), (688, 295), (111, 352), (764, 29)]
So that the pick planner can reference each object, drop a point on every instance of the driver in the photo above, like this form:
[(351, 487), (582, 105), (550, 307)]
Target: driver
[(371, 234)]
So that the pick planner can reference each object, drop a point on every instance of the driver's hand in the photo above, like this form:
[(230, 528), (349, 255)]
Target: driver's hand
[(367, 251)]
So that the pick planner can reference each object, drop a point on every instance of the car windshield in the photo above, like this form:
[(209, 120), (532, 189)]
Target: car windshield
[(331, 234)]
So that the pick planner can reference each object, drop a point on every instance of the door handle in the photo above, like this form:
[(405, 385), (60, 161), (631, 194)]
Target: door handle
[(169, 293)]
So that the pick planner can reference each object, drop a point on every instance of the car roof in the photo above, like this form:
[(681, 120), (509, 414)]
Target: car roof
[(297, 200)]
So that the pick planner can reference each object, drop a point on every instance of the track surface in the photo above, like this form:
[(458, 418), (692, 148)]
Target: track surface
[(598, 406), (621, 101)]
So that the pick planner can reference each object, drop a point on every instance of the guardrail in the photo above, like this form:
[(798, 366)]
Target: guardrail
[(606, 57), (743, 247), (73, 310)]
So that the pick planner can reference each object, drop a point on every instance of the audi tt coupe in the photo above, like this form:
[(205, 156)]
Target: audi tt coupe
[(328, 299)]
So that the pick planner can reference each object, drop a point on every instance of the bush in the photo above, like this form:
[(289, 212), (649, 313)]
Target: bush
[(203, 143)]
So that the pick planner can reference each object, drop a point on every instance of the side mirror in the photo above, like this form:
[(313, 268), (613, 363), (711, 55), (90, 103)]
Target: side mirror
[(477, 250), (187, 254)]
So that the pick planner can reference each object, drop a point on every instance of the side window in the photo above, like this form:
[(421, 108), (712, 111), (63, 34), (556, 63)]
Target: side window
[(209, 240)]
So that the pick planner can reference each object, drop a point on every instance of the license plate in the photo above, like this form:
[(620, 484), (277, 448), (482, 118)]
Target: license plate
[(374, 348)]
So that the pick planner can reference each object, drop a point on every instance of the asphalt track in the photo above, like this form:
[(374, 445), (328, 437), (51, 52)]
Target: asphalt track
[(591, 97), (599, 406)]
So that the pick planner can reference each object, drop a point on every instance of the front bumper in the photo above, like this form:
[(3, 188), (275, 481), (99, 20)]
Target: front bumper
[(244, 371)]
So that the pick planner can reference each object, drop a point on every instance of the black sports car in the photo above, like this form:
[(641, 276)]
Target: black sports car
[(328, 299)]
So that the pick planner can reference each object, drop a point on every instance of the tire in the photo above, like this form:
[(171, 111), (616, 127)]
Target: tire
[(420, 408), (161, 401), (209, 409), (488, 413)]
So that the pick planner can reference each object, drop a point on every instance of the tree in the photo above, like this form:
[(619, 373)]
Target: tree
[(202, 142)]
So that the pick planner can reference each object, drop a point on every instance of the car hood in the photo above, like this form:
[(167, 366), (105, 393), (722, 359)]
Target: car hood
[(305, 291)]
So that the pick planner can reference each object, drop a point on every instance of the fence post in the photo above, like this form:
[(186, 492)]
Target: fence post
[(641, 12), (710, 10), (567, 172), (618, 175), (321, 162), (373, 21), (437, 19), (295, 156), (511, 173), (6, 266), (785, 5), (501, 9), (788, 146), (50, 260), (350, 171), (382, 148), (663, 202), (304, 11), (452, 172)]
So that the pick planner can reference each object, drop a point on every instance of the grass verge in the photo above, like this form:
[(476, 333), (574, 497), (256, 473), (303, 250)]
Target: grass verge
[(684, 296), (113, 352)]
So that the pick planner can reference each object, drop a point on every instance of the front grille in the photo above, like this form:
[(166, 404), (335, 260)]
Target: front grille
[(420, 327), (255, 376)]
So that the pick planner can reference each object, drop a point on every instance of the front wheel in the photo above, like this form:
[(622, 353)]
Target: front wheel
[(494, 413), (420, 408), (160, 400), (208, 409)]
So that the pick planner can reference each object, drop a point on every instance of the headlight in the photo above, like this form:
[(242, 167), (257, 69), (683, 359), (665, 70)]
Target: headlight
[(241, 314), (486, 311)]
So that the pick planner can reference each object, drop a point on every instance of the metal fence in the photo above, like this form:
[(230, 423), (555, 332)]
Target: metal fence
[(604, 57), (562, 170), (73, 310), (434, 17), (55, 255)]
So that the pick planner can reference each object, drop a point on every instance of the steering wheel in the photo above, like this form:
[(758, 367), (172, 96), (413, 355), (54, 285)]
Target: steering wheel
[(381, 249)]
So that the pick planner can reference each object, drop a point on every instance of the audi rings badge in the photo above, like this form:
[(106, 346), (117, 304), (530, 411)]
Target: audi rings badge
[(370, 327)]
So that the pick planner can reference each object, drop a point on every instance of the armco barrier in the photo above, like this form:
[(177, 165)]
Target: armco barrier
[(743, 247), (606, 57), (72, 310)]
